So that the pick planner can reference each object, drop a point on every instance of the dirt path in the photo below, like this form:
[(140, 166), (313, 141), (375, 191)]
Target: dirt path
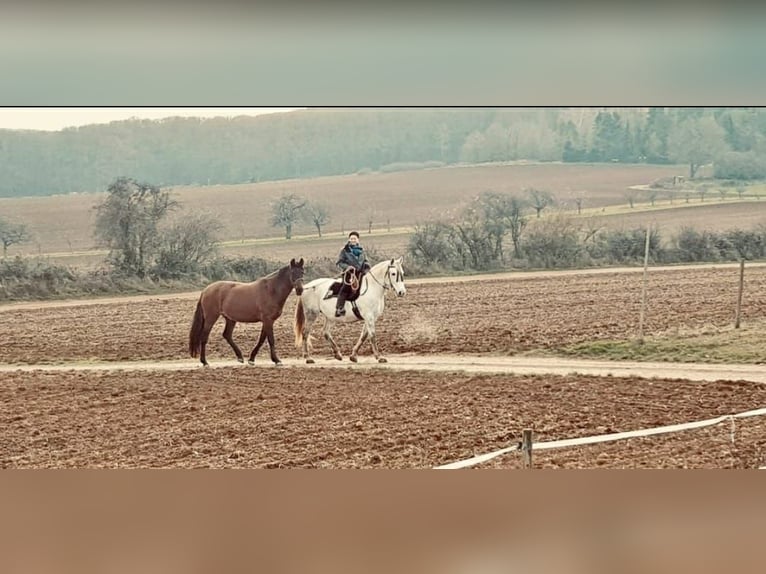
[(509, 275), (450, 363)]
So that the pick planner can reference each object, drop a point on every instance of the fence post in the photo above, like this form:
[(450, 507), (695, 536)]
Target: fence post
[(526, 447), (643, 288), (739, 294)]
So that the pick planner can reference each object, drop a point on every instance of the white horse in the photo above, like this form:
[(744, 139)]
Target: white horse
[(382, 276)]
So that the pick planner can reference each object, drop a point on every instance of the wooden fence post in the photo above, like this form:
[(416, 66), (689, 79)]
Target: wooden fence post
[(643, 287), (526, 447), (739, 294)]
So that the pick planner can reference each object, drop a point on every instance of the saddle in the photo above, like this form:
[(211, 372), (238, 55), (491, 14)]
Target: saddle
[(335, 287)]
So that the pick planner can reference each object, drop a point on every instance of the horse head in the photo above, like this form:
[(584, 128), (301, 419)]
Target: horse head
[(396, 276), (296, 275)]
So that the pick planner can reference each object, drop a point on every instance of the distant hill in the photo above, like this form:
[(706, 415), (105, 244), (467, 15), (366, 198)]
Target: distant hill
[(322, 142)]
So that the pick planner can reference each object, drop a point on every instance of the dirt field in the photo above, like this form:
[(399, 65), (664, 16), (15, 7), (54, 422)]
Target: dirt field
[(501, 316), (294, 417), (237, 416), (716, 217), (65, 223)]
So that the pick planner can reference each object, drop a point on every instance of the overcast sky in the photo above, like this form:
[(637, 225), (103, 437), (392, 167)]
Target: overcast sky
[(52, 119)]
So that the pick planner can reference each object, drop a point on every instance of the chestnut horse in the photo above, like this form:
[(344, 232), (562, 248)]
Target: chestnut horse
[(260, 300)]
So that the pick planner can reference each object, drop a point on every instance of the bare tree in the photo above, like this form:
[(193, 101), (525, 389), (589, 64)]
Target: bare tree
[(370, 218), (504, 213), (127, 222), (318, 214), (12, 234), (186, 243), (539, 199), (671, 194), (285, 212), (590, 227), (651, 195), (696, 142), (578, 197), (430, 243), (630, 195), (477, 239)]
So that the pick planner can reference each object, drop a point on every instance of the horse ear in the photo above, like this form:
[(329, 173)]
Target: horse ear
[(300, 263), (392, 261), (401, 258), (292, 262)]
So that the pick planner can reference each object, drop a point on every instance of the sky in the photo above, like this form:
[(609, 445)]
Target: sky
[(53, 119)]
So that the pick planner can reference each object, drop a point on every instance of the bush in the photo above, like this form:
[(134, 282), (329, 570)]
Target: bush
[(744, 244), (628, 246), (430, 245), (692, 245), (553, 243), (740, 165)]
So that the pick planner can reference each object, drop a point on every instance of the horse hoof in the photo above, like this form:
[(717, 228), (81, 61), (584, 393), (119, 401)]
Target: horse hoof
[(382, 360), (240, 360), (352, 359), (339, 357), (278, 364), (309, 361), (205, 365), (250, 362)]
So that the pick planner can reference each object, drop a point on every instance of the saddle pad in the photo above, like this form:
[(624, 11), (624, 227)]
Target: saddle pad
[(333, 290)]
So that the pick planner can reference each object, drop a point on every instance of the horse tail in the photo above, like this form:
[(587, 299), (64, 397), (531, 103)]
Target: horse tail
[(195, 333), (298, 323)]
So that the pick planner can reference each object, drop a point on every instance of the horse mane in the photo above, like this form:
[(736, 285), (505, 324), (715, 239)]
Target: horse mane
[(276, 273), (380, 263)]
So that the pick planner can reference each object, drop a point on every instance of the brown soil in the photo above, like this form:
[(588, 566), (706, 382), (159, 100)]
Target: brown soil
[(181, 415), (239, 417), (500, 316)]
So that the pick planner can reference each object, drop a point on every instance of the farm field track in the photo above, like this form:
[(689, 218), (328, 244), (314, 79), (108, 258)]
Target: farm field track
[(64, 223), (99, 406), (501, 315), (669, 219)]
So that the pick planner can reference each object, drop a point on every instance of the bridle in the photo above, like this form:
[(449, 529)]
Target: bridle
[(294, 280), (388, 276)]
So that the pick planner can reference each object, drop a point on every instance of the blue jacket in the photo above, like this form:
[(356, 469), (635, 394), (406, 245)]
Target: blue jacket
[(347, 258)]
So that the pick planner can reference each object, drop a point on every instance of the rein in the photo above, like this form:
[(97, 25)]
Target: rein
[(388, 276), (352, 278)]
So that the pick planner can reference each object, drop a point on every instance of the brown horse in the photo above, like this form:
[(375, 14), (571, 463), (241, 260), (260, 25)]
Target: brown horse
[(260, 300)]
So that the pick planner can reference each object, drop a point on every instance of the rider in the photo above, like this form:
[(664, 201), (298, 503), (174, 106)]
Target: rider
[(352, 256)]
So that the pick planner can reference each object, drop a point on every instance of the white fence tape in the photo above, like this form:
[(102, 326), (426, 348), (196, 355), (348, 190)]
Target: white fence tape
[(600, 438)]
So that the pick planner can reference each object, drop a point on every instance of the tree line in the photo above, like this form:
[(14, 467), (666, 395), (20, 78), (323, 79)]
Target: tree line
[(310, 143), (502, 231), (154, 242)]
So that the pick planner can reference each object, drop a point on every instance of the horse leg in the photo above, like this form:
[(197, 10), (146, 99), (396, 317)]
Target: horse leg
[(359, 343), (310, 318), (329, 339), (209, 322), (272, 348), (257, 347), (227, 334), (374, 343)]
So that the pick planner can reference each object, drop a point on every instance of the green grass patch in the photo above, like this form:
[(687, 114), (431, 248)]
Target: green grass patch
[(710, 344)]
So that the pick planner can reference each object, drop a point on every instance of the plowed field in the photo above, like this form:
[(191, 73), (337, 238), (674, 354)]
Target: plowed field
[(299, 416)]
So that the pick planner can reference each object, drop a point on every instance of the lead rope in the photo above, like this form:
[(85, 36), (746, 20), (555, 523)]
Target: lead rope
[(353, 279)]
